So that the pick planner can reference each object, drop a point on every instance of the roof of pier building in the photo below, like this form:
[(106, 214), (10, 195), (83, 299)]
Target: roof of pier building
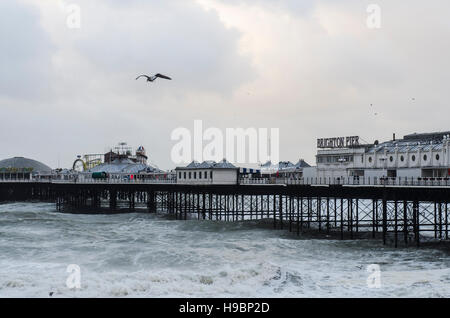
[(209, 164), (412, 143), (285, 165), (21, 164), (124, 166)]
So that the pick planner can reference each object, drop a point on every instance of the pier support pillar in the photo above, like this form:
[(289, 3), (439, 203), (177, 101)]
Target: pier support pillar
[(151, 202)]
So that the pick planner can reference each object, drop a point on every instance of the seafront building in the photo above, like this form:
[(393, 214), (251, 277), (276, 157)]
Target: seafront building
[(424, 155)]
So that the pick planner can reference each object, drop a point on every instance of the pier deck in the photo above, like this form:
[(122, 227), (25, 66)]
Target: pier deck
[(407, 215)]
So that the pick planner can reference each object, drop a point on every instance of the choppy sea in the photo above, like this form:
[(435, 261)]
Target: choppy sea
[(148, 255)]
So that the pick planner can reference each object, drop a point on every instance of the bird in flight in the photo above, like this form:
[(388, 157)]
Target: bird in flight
[(152, 78)]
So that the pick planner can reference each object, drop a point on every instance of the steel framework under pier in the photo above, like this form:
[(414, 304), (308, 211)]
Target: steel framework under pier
[(397, 215)]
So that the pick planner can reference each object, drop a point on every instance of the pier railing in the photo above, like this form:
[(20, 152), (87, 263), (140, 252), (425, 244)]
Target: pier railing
[(353, 181), (349, 181), (91, 181)]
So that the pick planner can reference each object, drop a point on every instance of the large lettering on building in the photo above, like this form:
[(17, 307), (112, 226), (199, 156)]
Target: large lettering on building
[(338, 142)]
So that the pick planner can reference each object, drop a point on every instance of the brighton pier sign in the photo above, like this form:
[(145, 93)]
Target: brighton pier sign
[(338, 142)]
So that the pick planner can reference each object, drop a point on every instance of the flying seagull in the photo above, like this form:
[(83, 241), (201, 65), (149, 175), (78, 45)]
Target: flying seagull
[(152, 78)]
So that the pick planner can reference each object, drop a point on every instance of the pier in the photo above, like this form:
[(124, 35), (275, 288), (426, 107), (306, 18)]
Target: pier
[(395, 214)]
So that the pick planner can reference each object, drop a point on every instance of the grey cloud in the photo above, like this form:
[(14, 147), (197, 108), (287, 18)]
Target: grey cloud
[(25, 52), (311, 84), (174, 37)]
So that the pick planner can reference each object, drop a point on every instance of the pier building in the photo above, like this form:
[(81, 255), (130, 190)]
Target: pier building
[(208, 172), (118, 164), (284, 169), (425, 155)]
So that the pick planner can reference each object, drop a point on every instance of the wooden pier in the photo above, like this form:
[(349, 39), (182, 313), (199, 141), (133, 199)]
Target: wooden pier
[(397, 215)]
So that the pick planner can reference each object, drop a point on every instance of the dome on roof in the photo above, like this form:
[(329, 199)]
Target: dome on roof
[(24, 163)]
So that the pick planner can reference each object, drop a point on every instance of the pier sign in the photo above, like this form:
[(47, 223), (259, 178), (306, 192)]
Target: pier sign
[(338, 142)]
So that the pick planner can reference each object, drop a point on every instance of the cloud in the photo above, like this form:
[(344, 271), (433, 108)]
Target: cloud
[(320, 70), (25, 51), (174, 37), (88, 74), (310, 68)]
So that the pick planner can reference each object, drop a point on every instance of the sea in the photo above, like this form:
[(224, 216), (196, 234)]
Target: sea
[(45, 253)]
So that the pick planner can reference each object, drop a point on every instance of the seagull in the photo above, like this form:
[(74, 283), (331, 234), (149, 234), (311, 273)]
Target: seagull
[(152, 78)]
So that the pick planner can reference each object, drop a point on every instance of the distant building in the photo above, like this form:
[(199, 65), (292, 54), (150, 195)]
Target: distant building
[(208, 172), (284, 169), (22, 168)]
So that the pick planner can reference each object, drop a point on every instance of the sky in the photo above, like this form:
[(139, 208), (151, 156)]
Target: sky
[(313, 69)]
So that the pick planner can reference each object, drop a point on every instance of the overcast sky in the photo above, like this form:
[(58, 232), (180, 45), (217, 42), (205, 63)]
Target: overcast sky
[(310, 68)]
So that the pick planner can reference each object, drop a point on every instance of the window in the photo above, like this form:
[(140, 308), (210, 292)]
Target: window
[(179, 175), (402, 158), (370, 159), (199, 174), (413, 158), (206, 174), (425, 157), (185, 175), (210, 174), (190, 175), (195, 174), (362, 158), (437, 156), (391, 158)]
